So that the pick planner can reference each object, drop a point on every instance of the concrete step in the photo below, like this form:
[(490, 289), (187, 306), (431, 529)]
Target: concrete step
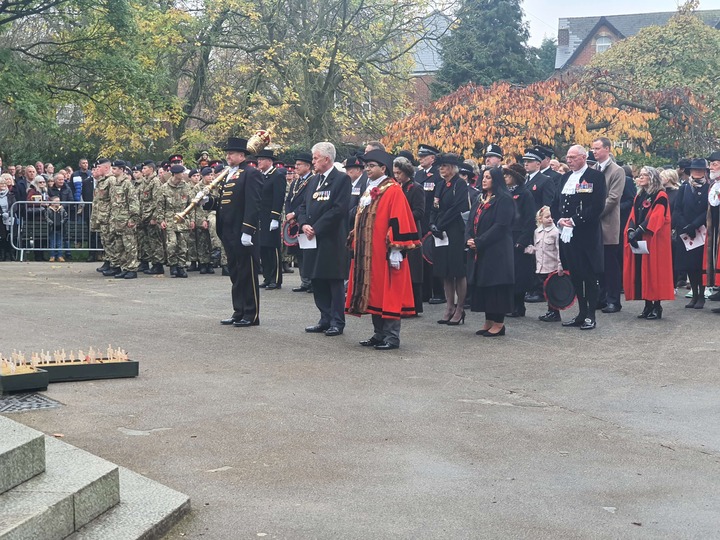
[(147, 511), (75, 488), (22, 453)]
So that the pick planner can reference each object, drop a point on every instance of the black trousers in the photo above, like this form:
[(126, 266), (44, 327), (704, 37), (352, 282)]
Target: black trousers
[(271, 264), (611, 280), (243, 263), (587, 291), (329, 297)]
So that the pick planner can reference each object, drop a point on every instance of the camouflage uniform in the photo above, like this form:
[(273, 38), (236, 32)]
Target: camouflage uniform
[(141, 227), (125, 208), (173, 200), (100, 217), (153, 243), (215, 243), (201, 234)]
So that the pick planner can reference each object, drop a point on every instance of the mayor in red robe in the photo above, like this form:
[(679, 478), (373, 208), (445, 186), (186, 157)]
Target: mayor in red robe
[(380, 282), (649, 276)]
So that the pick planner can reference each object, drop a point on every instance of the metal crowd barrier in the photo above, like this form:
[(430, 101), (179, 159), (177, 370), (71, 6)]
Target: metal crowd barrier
[(36, 226)]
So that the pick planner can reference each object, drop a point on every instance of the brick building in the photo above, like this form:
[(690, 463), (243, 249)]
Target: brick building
[(581, 38)]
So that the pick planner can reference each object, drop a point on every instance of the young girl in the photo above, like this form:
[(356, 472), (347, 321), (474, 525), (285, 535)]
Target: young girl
[(546, 247)]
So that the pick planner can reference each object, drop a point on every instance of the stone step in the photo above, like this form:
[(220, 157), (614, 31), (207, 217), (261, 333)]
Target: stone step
[(22, 454), (147, 511), (75, 488)]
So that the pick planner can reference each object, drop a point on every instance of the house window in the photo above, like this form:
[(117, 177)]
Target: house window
[(602, 44)]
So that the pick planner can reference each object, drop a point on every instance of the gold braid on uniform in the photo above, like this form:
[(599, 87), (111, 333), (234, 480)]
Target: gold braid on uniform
[(364, 221)]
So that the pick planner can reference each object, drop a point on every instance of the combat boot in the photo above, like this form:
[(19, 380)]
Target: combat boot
[(204, 268), (180, 272), (173, 271), (121, 275), (193, 267), (156, 269), (112, 271), (130, 275), (209, 269), (105, 266), (143, 266)]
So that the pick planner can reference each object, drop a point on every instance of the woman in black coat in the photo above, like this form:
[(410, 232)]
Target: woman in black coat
[(451, 200), (489, 235), (689, 214), (404, 173), (523, 230)]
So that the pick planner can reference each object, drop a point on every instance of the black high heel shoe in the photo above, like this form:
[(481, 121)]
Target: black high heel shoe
[(655, 314), (500, 332), (646, 311), (459, 321), (447, 321)]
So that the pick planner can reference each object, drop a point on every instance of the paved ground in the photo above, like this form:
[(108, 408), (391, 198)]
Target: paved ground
[(549, 432)]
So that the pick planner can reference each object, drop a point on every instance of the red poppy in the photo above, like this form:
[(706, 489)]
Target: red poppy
[(448, 184), (374, 193), (646, 203)]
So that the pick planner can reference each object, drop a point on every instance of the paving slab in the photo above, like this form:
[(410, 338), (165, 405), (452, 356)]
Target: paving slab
[(22, 453), (549, 432)]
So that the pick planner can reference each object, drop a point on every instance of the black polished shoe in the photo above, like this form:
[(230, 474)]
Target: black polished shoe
[(655, 314), (500, 332), (437, 301), (333, 331), (700, 304), (263, 285), (516, 314), (244, 323), (228, 322), (611, 308), (301, 289), (550, 316), (534, 298), (112, 271), (588, 324), (386, 347), (317, 329), (370, 342), (130, 275), (121, 275), (600, 306), (105, 266), (691, 303), (645, 312), (273, 286), (715, 296), (575, 321)]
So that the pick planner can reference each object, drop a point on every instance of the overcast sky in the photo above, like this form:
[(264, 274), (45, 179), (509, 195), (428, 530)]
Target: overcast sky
[(543, 15)]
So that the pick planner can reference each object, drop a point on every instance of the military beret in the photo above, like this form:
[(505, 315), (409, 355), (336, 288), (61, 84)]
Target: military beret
[(119, 163), (177, 169), (148, 163), (193, 172), (206, 170), (175, 157)]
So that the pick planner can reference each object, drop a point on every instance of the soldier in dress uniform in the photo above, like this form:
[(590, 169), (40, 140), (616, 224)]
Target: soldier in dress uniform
[(295, 198), (153, 246), (237, 208), (428, 176), (124, 217), (271, 205), (174, 197), (578, 208)]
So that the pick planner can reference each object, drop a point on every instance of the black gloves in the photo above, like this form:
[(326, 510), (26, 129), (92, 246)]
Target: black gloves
[(435, 231), (689, 230)]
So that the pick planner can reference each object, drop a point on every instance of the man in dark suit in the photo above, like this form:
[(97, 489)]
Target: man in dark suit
[(237, 222), (428, 176), (293, 202), (547, 153), (579, 205), (323, 217), (271, 204), (541, 187)]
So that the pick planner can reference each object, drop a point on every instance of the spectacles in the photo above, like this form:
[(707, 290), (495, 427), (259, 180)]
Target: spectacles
[(643, 174), (371, 165)]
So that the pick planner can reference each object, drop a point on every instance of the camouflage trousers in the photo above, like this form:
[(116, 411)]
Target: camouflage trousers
[(109, 243), (176, 244), (142, 242), (192, 251), (153, 246), (215, 243), (203, 244), (126, 248)]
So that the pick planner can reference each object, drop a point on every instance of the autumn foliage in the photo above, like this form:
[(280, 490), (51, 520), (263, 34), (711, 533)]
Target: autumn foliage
[(556, 112)]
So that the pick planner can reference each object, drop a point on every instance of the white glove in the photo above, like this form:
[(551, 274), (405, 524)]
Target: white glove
[(204, 200), (395, 259), (566, 234), (274, 224), (246, 240)]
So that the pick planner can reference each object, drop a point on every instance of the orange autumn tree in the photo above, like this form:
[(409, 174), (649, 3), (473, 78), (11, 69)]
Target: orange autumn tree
[(558, 112)]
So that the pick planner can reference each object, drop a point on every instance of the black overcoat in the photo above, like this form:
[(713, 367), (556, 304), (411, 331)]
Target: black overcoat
[(325, 209), (584, 252), (271, 206), (416, 200), (542, 188), (237, 206), (429, 181), (494, 262)]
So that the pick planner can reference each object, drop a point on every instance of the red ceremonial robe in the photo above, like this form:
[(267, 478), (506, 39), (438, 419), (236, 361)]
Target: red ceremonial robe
[(656, 268), (375, 287)]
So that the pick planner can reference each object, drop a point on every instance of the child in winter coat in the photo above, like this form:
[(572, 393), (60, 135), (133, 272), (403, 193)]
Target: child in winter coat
[(57, 217), (546, 247)]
